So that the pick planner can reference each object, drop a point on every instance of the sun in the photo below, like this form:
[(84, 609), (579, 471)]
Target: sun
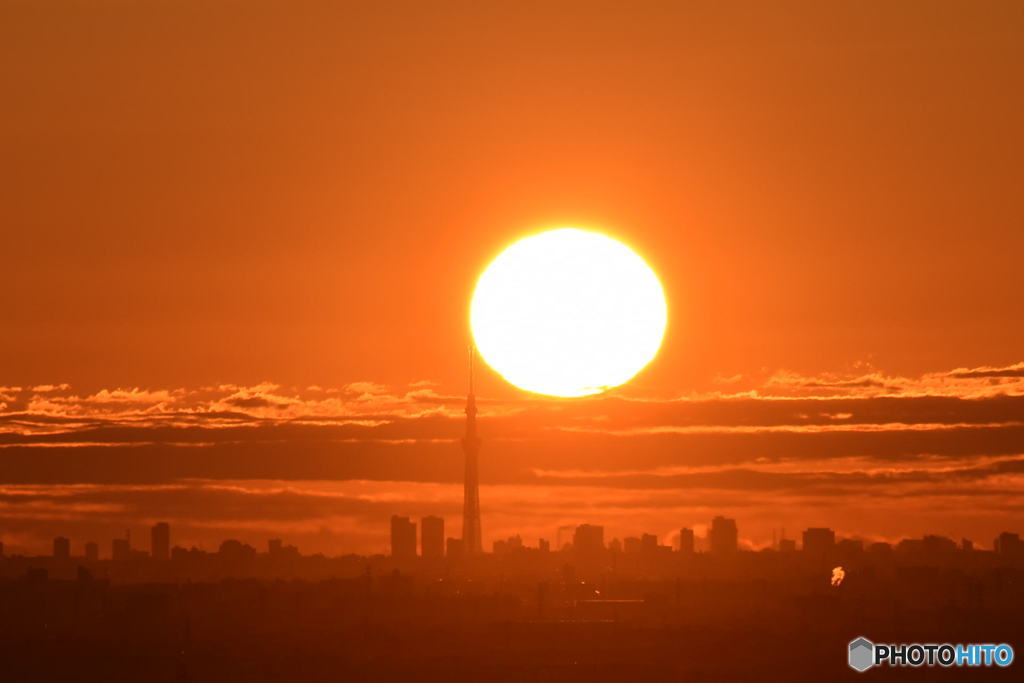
[(568, 312)]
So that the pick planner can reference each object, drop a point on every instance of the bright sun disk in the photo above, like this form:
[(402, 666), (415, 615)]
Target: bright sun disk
[(568, 313)]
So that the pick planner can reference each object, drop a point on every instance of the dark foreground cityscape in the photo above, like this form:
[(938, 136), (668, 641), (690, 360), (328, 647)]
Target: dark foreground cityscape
[(739, 285), (633, 610)]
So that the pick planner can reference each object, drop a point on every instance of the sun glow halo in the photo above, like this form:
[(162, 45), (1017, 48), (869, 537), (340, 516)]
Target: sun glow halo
[(568, 313)]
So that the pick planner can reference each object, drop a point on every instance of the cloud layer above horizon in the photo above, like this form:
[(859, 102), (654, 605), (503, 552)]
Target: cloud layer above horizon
[(872, 455)]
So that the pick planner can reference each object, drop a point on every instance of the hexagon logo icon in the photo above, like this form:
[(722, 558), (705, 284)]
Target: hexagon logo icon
[(862, 654)]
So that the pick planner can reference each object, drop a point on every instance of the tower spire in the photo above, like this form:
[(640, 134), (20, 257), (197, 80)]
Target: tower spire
[(471, 538)]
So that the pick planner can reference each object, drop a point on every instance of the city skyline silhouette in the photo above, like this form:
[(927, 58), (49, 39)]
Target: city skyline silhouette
[(331, 465)]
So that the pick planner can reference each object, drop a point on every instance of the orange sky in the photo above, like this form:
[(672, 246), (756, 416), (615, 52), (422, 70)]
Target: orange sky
[(195, 194)]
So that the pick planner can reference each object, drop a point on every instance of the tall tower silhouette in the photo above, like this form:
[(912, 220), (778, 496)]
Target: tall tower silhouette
[(471, 543)]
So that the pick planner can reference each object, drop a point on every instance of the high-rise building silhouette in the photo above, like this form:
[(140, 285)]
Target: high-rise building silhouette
[(588, 543), (819, 540), (121, 549), (686, 544), (648, 543), (160, 541), (472, 543), (588, 537), (432, 537), (723, 536), (563, 536), (1008, 545), (403, 538), (92, 552), (61, 548)]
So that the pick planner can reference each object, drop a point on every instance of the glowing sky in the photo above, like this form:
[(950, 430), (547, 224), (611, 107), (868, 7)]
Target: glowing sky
[(199, 197)]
